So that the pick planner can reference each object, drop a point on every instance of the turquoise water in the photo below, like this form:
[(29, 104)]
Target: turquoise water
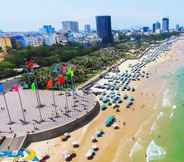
[(169, 133), (172, 131)]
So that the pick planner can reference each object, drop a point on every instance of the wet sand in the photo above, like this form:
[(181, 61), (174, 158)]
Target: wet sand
[(116, 145)]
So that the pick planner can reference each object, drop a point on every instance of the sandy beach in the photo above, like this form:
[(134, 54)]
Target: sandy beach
[(135, 123)]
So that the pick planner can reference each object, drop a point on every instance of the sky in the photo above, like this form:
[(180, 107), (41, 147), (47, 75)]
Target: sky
[(30, 15)]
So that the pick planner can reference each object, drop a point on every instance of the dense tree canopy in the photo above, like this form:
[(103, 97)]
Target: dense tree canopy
[(89, 61)]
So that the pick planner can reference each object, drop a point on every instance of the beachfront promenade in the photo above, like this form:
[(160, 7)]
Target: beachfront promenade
[(73, 111)]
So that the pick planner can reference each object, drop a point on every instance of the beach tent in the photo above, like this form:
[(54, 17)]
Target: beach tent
[(95, 147), (125, 96), (90, 154), (105, 100), (109, 121), (115, 126), (110, 103), (99, 133), (93, 139), (75, 143), (103, 107), (131, 99)]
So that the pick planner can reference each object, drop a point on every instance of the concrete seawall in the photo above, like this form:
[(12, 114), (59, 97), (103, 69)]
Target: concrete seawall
[(58, 131)]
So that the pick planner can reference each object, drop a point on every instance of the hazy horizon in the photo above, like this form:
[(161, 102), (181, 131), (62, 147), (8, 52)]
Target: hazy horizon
[(24, 15)]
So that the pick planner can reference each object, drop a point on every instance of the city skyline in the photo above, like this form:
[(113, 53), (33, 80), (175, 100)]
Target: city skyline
[(29, 16)]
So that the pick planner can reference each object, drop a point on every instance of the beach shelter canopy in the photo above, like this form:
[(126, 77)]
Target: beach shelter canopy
[(110, 120)]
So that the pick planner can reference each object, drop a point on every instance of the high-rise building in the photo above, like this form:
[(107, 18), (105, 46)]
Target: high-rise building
[(70, 26), (145, 29), (177, 27), (87, 28), (48, 29), (104, 30), (157, 26), (154, 28), (165, 25)]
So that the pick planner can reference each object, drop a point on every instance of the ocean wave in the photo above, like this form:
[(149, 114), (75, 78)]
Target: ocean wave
[(160, 115), (166, 99), (174, 107), (135, 148), (171, 115), (153, 127), (154, 152)]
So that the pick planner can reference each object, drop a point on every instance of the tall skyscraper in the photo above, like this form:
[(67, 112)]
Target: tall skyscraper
[(157, 26), (87, 28), (145, 29), (48, 29), (104, 30), (177, 27), (70, 26), (154, 28), (165, 25)]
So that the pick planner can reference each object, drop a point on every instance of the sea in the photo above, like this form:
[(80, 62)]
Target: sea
[(165, 142)]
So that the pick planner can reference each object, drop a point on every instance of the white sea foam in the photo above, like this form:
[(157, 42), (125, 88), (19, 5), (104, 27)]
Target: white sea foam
[(174, 107), (166, 101), (160, 115), (154, 152), (171, 115), (135, 148), (153, 127)]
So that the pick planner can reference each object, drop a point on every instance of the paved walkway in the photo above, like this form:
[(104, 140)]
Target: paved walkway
[(68, 108)]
